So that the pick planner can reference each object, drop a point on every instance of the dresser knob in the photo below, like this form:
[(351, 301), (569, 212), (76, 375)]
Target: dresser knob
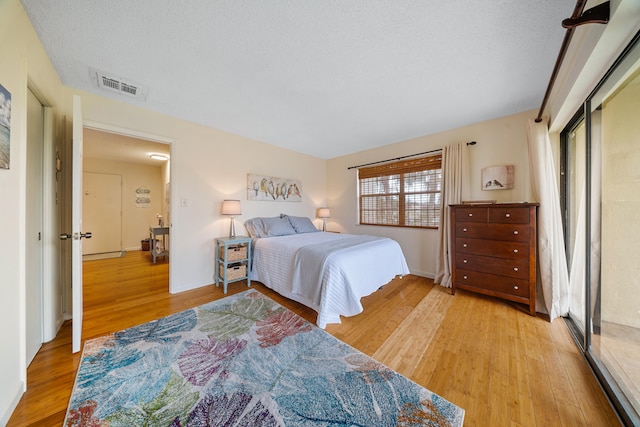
[(515, 268), (465, 261), (464, 245), (464, 277), (470, 214), (515, 232), (508, 215), (515, 251), (464, 230), (516, 287)]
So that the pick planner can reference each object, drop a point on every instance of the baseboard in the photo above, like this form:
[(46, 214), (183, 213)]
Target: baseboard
[(133, 248), (423, 274), (4, 420)]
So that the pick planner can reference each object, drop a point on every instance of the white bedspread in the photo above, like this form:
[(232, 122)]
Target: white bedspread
[(327, 272)]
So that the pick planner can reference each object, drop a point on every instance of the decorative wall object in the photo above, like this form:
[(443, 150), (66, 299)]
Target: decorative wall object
[(5, 127), (261, 187), (497, 178), (143, 197)]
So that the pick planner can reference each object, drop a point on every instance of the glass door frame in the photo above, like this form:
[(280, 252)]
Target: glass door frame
[(627, 413)]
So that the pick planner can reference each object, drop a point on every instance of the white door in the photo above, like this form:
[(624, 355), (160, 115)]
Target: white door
[(76, 225), (34, 227), (102, 212)]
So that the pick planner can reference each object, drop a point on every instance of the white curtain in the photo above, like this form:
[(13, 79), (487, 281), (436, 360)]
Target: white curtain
[(552, 262), (454, 188)]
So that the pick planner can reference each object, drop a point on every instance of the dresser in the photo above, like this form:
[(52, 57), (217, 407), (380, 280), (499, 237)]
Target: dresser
[(494, 250)]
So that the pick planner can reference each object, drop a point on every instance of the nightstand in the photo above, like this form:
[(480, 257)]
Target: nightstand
[(233, 260)]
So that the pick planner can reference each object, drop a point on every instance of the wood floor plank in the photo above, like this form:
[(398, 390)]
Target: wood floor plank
[(504, 367)]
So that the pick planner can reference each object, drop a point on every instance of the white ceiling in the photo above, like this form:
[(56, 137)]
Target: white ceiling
[(321, 77)]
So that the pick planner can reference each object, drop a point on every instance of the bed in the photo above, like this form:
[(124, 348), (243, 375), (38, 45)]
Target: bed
[(328, 272)]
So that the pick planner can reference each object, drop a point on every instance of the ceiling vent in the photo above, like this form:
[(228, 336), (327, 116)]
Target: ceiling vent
[(115, 84)]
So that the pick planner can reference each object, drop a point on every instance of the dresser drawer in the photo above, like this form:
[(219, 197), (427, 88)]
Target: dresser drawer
[(506, 232), (518, 268), (491, 282), (509, 215), (495, 248), (472, 214)]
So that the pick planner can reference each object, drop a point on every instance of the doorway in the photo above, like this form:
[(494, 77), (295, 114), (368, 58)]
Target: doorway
[(125, 191)]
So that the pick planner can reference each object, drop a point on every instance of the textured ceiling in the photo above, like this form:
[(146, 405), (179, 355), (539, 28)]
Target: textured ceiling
[(321, 77), (119, 148)]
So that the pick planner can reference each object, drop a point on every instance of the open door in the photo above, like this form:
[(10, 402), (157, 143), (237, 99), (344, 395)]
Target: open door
[(76, 225), (76, 234)]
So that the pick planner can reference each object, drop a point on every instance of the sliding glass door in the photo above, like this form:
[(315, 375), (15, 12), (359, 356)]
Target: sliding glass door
[(601, 176)]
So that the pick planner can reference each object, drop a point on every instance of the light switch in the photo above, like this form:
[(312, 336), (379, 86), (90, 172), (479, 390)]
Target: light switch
[(183, 203)]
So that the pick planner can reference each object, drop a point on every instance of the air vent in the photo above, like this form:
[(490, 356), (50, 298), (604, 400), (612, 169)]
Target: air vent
[(118, 85)]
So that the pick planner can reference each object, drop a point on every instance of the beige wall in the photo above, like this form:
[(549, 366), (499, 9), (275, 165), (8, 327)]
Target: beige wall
[(23, 63), (135, 220), (499, 142)]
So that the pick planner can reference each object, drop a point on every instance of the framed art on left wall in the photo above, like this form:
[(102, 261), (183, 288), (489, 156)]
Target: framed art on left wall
[(5, 127)]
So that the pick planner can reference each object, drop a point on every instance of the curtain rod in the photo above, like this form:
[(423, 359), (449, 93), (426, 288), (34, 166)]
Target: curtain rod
[(402, 157), (596, 15)]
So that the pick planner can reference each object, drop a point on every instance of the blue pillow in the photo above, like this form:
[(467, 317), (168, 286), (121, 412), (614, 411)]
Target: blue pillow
[(255, 227), (277, 227), (301, 224)]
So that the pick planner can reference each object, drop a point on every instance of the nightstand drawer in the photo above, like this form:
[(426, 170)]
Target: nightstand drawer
[(235, 253), (234, 271)]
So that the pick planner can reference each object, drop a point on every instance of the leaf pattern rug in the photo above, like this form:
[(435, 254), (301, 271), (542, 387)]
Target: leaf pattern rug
[(243, 360)]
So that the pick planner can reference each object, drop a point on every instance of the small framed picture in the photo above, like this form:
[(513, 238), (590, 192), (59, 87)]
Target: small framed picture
[(497, 178), (5, 127)]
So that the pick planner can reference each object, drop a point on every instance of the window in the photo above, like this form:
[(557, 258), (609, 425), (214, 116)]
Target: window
[(403, 194)]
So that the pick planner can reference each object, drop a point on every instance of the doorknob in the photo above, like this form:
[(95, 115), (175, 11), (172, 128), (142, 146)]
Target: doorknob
[(76, 236)]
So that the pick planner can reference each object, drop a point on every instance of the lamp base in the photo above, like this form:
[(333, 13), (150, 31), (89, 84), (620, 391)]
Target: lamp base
[(324, 224), (232, 228)]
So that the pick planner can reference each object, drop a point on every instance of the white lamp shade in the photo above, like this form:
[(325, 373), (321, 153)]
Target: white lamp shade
[(324, 213), (231, 207)]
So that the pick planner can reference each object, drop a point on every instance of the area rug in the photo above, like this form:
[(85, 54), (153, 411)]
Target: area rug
[(243, 360)]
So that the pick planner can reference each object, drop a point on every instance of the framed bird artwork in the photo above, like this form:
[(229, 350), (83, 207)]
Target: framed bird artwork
[(273, 189), (497, 178)]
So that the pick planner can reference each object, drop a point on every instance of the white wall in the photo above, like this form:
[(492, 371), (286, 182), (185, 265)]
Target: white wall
[(22, 62), (499, 142), (135, 220)]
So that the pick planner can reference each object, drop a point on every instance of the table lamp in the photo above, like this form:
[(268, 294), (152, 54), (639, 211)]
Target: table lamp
[(231, 207), (324, 213)]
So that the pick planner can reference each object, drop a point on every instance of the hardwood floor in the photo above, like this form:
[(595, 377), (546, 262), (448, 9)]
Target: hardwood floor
[(504, 367)]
